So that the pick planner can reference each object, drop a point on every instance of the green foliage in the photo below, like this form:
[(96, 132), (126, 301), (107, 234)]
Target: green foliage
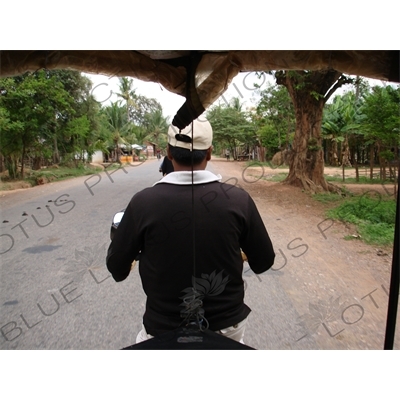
[(232, 127), (81, 136), (116, 126), (156, 128), (317, 96), (137, 107), (51, 117), (144, 123), (116, 119), (373, 216), (361, 180), (312, 144), (342, 118), (46, 115), (366, 122), (269, 138), (381, 115), (52, 174), (276, 177), (32, 105), (328, 198), (144, 106), (275, 118), (379, 233)]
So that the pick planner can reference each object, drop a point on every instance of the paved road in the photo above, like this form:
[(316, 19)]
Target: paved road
[(55, 292)]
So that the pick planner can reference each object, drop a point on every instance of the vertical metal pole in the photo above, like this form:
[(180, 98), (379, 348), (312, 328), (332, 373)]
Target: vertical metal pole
[(394, 284)]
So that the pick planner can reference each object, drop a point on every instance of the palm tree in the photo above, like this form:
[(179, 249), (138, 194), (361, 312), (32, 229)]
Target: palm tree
[(117, 125), (141, 134), (157, 125), (340, 123), (236, 104), (128, 93)]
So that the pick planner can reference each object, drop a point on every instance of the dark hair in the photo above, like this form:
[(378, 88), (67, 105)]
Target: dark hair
[(184, 156)]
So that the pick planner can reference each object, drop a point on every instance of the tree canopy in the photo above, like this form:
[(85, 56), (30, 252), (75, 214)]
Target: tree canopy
[(232, 127), (51, 117)]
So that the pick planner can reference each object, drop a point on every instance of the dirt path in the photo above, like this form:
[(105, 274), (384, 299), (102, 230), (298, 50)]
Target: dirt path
[(338, 288)]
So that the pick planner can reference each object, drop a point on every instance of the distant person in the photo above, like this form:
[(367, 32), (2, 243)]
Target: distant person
[(166, 166), (227, 155)]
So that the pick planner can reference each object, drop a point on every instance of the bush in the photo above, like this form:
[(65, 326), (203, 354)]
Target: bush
[(327, 197), (374, 217), (51, 174)]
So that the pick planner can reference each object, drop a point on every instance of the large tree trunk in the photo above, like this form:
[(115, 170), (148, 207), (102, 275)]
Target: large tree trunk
[(306, 168), (309, 92)]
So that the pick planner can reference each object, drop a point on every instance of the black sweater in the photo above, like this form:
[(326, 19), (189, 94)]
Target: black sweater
[(174, 246)]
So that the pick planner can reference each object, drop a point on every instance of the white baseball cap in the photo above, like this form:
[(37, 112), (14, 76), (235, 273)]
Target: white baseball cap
[(202, 135)]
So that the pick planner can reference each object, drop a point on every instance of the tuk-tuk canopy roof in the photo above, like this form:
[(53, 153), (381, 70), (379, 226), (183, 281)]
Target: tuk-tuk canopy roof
[(201, 76)]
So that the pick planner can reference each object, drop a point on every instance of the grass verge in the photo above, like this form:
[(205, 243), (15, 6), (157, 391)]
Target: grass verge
[(46, 175), (373, 216), (363, 180)]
